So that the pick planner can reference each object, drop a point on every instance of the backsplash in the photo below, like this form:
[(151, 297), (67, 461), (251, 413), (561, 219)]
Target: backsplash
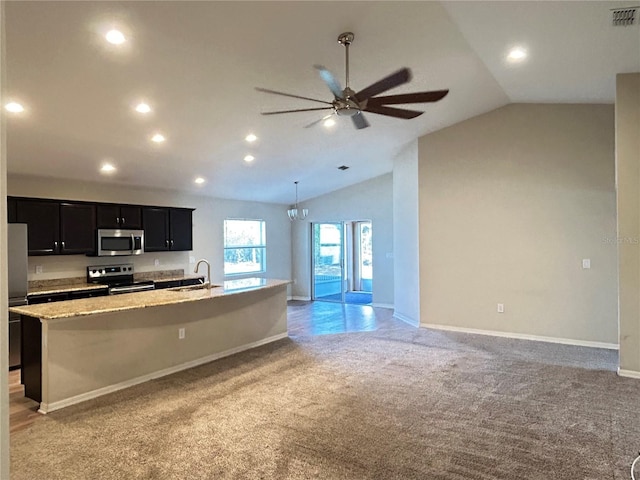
[(74, 266)]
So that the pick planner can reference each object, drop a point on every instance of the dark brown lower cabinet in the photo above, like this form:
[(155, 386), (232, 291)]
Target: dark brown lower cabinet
[(31, 357)]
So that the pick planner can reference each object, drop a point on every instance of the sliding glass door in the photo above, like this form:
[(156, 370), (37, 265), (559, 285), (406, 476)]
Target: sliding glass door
[(342, 262), (328, 261)]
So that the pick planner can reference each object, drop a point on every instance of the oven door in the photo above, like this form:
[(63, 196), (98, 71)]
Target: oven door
[(120, 242)]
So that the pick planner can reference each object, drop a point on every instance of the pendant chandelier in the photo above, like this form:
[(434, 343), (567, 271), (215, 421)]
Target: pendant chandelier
[(295, 213)]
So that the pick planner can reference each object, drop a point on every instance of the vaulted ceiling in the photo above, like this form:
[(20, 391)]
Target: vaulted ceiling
[(197, 63)]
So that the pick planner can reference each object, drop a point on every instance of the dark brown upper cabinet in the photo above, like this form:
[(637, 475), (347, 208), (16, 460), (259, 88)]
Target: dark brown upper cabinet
[(119, 216), (180, 229), (167, 229), (43, 224), (11, 210), (67, 227), (77, 228), (155, 222)]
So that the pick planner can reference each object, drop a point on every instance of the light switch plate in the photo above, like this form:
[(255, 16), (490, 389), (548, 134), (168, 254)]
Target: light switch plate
[(586, 263), (192, 259), (156, 262), (38, 268)]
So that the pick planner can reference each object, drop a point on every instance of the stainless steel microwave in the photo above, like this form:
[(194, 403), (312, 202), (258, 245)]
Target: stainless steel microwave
[(120, 242)]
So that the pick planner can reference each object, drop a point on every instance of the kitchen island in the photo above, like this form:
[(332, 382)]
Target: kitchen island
[(80, 349)]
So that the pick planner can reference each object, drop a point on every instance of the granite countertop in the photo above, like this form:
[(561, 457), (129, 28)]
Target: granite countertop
[(150, 298)]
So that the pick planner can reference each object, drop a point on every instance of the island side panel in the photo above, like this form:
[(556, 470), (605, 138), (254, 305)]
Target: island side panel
[(92, 355)]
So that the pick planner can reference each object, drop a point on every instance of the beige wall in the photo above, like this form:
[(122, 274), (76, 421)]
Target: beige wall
[(510, 203), (628, 198), (208, 220), (406, 270), (370, 200)]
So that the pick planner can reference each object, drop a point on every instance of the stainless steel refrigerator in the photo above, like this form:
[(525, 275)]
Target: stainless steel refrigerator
[(17, 259)]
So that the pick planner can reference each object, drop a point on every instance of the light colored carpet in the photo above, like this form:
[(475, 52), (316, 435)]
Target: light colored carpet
[(391, 404)]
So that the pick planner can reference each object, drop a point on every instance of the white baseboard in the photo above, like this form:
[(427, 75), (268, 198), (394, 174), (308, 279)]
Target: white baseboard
[(303, 299), (405, 319), (382, 305), (524, 336), (46, 408), (628, 373)]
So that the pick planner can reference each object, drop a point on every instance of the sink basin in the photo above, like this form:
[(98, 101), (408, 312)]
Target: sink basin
[(187, 288)]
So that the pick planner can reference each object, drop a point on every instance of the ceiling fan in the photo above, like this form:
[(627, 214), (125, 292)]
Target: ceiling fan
[(349, 103)]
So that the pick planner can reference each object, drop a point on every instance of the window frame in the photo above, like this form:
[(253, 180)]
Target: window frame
[(262, 246)]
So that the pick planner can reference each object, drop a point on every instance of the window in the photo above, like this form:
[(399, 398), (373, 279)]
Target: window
[(245, 246)]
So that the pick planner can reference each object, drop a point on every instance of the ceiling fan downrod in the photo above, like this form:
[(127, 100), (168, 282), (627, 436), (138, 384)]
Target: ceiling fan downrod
[(346, 39)]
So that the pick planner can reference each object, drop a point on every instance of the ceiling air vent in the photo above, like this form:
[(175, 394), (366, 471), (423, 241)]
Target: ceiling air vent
[(343, 167), (623, 17)]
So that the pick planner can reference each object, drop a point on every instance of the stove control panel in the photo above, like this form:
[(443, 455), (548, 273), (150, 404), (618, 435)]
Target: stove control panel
[(105, 271)]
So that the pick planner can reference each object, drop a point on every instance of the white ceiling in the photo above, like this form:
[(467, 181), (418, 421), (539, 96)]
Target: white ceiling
[(197, 64)]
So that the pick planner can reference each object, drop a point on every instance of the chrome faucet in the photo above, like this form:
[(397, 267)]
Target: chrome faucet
[(208, 271)]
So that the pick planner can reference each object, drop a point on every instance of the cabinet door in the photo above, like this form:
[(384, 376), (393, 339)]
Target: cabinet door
[(160, 284), (108, 216), (11, 210), (77, 228), (130, 217), (43, 223), (155, 222), (181, 237)]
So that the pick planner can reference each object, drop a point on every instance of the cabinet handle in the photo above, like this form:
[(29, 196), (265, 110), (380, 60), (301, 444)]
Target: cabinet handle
[(171, 243), (55, 246), (123, 222), (166, 242), (62, 245), (118, 220)]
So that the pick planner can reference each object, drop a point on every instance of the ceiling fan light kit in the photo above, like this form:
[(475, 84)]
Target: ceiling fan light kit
[(295, 213), (349, 103)]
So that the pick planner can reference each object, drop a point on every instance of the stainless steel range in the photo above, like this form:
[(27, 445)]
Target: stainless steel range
[(119, 278)]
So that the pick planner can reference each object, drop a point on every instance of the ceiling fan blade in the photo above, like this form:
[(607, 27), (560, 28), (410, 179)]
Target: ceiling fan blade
[(417, 97), (297, 110), (387, 83), (359, 121), (266, 90), (326, 117), (393, 112), (330, 80)]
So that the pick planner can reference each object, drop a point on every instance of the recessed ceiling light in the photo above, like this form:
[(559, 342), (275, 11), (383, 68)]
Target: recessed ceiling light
[(158, 138), (517, 54), (251, 138), (199, 180), (329, 122), (115, 37), (143, 108), (107, 168), (14, 107), (249, 158)]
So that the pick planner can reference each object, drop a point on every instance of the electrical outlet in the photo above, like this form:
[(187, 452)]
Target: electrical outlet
[(38, 268), (192, 259), (156, 262), (586, 263), (501, 308), (181, 333)]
